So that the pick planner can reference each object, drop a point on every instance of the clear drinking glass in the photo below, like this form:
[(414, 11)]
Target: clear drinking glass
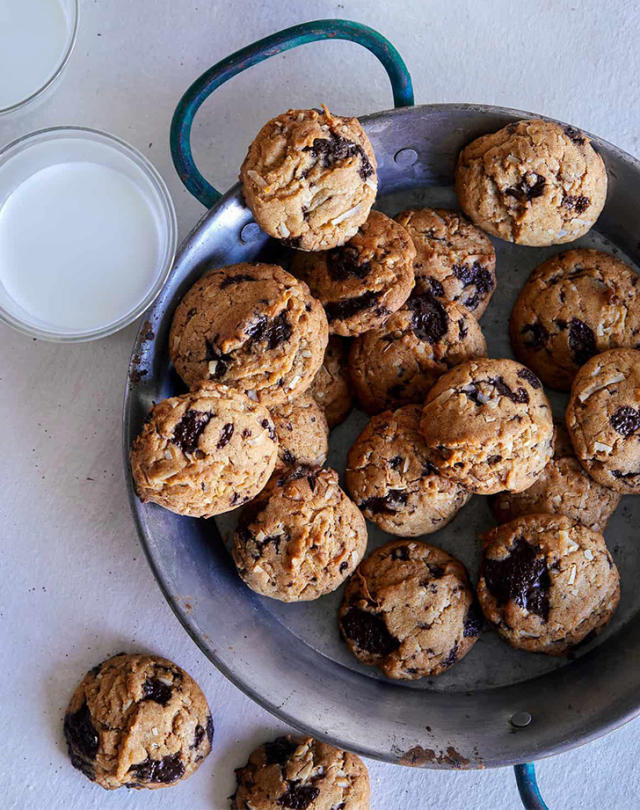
[(50, 70)]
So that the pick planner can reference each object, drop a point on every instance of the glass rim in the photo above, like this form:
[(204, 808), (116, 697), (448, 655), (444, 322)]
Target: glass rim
[(56, 73), (165, 263)]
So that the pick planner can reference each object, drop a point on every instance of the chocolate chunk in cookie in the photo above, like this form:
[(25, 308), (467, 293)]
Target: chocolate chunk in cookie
[(137, 721), (361, 283), (547, 582), (532, 182), (309, 178), (408, 610)]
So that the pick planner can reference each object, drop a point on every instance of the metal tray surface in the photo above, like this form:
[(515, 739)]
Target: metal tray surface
[(290, 658)]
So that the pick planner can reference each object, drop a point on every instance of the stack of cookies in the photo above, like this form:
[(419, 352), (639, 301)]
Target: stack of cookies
[(385, 313)]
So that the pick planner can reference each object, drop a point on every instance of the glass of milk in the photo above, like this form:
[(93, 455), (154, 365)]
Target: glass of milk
[(87, 234), (36, 40)]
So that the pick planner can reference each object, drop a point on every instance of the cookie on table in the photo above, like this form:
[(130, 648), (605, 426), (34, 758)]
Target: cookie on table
[(603, 419), (331, 387), (392, 481), (301, 773), (574, 305), (301, 538), (302, 431), (532, 182), (487, 425), (365, 280), (563, 488), (253, 327), (398, 363), (547, 582), (205, 452), (137, 721), (309, 178), (409, 610), (454, 259)]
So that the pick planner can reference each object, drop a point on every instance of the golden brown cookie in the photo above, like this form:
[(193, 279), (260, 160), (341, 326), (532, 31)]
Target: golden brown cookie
[(398, 363), (409, 610), (487, 425), (301, 538), (390, 477), (309, 178), (575, 305), (547, 582), (204, 453), (454, 259), (331, 387), (253, 327), (532, 182), (563, 488), (138, 721), (303, 773), (362, 282), (302, 431), (603, 419)]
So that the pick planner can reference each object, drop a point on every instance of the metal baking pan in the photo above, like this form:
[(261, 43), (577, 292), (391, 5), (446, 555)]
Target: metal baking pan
[(496, 707)]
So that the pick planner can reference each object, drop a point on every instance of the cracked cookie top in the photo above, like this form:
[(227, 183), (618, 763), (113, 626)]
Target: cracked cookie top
[(204, 453), (603, 419), (365, 280), (391, 479), (575, 305), (309, 178), (398, 363), (303, 774), (409, 610), (547, 582), (301, 538), (137, 721), (487, 425), (253, 327), (532, 182), (455, 261), (563, 488)]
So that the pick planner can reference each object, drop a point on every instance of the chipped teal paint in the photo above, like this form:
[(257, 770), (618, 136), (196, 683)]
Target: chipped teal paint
[(528, 787), (253, 54)]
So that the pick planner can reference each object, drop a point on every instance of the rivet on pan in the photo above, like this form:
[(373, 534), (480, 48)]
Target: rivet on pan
[(250, 232), (405, 157), (520, 719)]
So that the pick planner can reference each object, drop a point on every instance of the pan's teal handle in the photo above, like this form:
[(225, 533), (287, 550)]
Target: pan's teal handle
[(202, 88), (528, 787)]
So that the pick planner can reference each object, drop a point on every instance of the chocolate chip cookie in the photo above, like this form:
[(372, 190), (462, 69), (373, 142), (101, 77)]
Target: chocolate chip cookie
[(253, 327), (409, 610), (603, 419), (301, 538), (331, 387), (309, 178), (547, 582), (532, 182), (390, 477), (204, 453), (138, 721), (398, 363), (304, 774), (362, 282), (575, 305), (487, 425), (563, 488), (454, 259), (302, 431)]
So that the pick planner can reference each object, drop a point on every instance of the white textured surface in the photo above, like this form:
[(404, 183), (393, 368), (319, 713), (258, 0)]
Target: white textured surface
[(74, 585)]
